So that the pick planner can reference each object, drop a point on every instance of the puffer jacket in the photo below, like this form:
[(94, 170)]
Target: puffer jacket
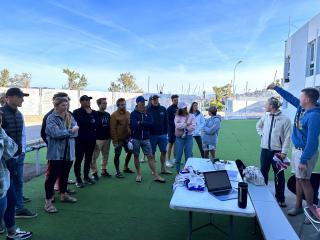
[(275, 131), (60, 138), (184, 122), (210, 130)]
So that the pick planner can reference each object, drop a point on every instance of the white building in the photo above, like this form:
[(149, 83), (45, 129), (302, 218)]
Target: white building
[(302, 60)]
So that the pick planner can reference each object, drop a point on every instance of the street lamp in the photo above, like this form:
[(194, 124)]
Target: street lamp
[(234, 77)]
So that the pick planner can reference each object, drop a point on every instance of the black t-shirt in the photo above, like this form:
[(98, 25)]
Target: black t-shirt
[(103, 125)]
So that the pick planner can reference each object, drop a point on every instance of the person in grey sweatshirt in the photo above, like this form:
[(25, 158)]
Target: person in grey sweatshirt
[(210, 133), (274, 129)]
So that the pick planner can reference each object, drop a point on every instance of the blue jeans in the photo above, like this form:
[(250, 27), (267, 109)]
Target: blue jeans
[(9, 212), (183, 144), (18, 181), (3, 206)]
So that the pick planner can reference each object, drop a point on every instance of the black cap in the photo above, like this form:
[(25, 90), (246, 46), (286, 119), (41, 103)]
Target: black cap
[(16, 92), (155, 96), (85, 98)]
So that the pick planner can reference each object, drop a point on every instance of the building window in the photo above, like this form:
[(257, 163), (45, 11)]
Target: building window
[(311, 58)]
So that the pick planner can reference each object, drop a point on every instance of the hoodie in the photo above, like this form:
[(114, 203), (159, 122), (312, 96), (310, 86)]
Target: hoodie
[(306, 128), (160, 120), (210, 130), (140, 123)]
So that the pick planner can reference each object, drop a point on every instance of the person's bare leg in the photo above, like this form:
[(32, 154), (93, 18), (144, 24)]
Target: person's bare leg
[(309, 194), (153, 168), (170, 145), (137, 165), (213, 154), (163, 161), (299, 193), (127, 160), (206, 154)]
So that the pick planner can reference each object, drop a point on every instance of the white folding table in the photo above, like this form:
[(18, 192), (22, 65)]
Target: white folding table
[(191, 201)]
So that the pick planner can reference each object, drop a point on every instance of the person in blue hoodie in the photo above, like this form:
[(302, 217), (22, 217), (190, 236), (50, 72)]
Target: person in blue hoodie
[(305, 138), (140, 123)]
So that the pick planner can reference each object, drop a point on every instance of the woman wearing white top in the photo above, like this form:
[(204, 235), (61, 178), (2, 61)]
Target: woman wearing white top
[(200, 121)]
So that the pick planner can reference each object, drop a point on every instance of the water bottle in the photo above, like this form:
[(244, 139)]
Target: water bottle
[(242, 194)]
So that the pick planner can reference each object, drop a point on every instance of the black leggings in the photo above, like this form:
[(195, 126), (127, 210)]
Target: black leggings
[(199, 143), (83, 149), (55, 169)]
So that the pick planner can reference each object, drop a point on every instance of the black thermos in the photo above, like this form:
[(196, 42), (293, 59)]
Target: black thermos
[(242, 194)]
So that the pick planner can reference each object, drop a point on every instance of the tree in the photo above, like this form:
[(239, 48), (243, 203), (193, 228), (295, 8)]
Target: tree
[(223, 92), (4, 78), (125, 83), (75, 81), (22, 80)]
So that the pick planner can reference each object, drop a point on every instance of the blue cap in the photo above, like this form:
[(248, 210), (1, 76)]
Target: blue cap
[(140, 99)]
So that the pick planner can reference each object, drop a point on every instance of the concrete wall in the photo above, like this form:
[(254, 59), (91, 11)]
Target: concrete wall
[(297, 49)]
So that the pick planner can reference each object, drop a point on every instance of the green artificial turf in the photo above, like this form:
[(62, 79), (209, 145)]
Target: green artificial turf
[(123, 209)]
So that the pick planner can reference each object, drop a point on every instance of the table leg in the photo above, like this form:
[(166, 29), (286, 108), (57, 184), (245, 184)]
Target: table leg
[(231, 227), (190, 226)]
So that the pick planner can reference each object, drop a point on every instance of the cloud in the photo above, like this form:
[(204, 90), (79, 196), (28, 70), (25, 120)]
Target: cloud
[(106, 23)]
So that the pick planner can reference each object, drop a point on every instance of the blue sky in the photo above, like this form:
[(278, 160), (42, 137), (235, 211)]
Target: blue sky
[(175, 42)]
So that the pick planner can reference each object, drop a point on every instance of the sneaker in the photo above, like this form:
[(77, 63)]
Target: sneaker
[(295, 211), (169, 164), (89, 181), (79, 184), (95, 176), (20, 235), (70, 181), (105, 174), (25, 213), (71, 191), (119, 175), (25, 199)]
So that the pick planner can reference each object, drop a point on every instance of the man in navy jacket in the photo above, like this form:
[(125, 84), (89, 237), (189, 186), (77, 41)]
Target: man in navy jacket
[(140, 123), (305, 138), (159, 130)]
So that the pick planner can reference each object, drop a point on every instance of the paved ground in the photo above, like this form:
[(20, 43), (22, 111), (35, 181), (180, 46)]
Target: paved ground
[(307, 230)]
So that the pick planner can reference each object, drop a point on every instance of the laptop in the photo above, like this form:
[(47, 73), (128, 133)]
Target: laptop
[(219, 185)]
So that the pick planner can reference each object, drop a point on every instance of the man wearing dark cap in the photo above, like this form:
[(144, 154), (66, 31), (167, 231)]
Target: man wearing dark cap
[(86, 140), (159, 130), (140, 123), (13, 123)]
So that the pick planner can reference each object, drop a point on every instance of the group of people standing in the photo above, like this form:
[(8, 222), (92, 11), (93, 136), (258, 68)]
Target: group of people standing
[(81, 135)]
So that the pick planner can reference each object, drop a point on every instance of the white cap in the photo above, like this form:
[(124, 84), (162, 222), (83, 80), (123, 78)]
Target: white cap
[(182, 105)]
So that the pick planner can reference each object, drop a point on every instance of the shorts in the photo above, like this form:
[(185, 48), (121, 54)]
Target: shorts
[(311, 163), (145, 145), (122, 144), (208, 147), (171, 137), (159, 140)]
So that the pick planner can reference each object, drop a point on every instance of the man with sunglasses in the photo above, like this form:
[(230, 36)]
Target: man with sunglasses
[(120, 134)]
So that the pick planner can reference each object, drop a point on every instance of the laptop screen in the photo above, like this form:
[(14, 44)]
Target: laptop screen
[(217, 180)]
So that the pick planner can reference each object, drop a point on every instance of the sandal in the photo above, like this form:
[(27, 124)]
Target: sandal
[(166, 172), (138, 179), (69, 199), (159, 180), (128, 170), (49, 208)]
